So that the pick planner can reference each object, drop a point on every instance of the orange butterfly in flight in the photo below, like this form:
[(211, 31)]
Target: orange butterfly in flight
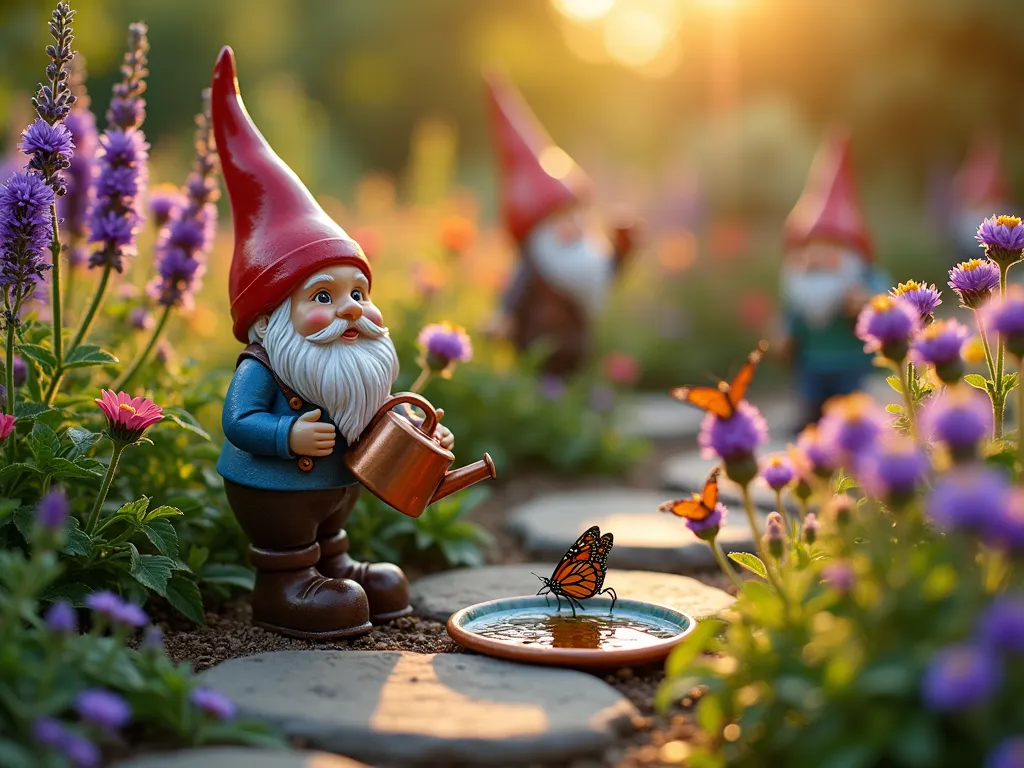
[(581, 571), (723, 399), (700, 505)]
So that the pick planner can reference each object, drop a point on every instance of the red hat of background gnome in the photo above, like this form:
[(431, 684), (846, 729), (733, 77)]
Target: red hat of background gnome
[(980, 181), (538, 178), (828, 209), (282, 235)]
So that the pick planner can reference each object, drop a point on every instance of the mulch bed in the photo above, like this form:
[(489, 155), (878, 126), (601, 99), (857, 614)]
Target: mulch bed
[(655, 739)]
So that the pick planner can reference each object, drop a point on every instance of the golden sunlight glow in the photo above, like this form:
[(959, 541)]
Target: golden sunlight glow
[(583, 10), (555, 162), (634, 36)]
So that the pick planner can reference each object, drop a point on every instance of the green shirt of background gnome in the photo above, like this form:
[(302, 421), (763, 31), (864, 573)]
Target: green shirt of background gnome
[(827, 276), (567, 263), (318, 366)]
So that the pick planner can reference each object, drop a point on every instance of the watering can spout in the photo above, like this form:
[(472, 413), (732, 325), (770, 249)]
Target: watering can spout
[(464, 477)]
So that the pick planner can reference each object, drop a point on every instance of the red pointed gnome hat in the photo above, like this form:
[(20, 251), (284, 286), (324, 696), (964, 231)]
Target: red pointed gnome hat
[(282, 235), (829, 209), (980, 181), (538, 178)]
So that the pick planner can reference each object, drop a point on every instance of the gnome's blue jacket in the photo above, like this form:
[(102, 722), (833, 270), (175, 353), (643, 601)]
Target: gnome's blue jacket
[(257, 421)]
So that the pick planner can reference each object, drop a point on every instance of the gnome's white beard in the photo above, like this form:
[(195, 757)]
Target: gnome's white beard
[(349, 380), (817, 296), (582, 269)]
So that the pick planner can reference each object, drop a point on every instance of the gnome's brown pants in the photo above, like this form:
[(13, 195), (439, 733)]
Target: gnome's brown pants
[(300, 527)]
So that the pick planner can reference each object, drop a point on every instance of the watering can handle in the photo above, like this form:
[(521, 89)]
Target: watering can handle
[(429, 422)]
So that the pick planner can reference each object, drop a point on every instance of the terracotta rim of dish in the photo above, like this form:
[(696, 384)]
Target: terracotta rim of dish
[(566, 657)]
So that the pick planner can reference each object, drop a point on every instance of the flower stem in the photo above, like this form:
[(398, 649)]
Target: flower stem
[(83, 329), (115, 457), (55, 308), (124, 378), (723, 563), (421, 381), (996, 397), (748, 505), (908, 400), (1020, 417), (781, 507), (9, 373)]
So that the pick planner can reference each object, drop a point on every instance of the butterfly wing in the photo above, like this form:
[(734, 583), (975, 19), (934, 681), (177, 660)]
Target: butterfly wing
[(580, 574), (711, 399), (710, 495), (739, 385), (580, 550), (689, 509)]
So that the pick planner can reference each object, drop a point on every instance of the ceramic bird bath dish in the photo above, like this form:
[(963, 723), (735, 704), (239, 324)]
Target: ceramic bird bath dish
[(533, 630)]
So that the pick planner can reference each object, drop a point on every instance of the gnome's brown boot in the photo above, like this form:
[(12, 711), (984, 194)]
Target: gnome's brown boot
[(386, 586), (292, 598)]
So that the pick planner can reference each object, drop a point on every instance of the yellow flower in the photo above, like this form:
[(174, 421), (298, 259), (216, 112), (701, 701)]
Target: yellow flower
[(908, 287), (1007, 221), (973, 351)]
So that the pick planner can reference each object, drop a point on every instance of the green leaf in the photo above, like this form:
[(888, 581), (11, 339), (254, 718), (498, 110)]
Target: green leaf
[(185, 420), (183, 595), (696, 643), (894, 408), (77, 542), (162, 535), (7, 507), (43, 442), (18, 468), (1010, 381), (228, 574), (751, 562), (85, 355), (40, 355), (895, 383), (977, 381), (151, 571), (58, 466), (29, 411), (134, 509), (75, 591), (82, 440), (163, 511)]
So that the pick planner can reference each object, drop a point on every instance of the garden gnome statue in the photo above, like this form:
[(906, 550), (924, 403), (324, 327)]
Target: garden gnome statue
[(567, 264), (318, 365), (979, 191), (827, 276)]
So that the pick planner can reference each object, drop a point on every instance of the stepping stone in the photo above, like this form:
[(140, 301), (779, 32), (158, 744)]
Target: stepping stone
[(233, 757), (441, 595), (645, 539), (658, 417), (439, 709), (686, 472)]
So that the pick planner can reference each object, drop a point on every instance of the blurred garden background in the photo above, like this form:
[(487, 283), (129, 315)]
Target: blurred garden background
[(702, 116)]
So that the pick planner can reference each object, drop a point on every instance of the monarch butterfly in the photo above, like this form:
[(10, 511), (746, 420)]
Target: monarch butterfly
[(581, 571), (723, 399), (700, 505)]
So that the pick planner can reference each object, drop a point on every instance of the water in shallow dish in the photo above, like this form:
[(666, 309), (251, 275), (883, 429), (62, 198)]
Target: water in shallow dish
[(599, 631)]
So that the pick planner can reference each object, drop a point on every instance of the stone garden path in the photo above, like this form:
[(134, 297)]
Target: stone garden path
[(404, 708)]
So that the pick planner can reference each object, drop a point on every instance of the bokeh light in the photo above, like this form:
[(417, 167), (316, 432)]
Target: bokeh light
[(634, 36), (583, 10)]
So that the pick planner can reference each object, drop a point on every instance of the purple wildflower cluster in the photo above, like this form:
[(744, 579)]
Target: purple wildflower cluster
[(893, 469), (77, 749), (120, 612), (973, 281), (959, 418), (734, 438), (923, 297), (939, 344), (122, 174), (886, 325), (1002, 237), (25, 231), (1005, 316), (188, 235), (850, 426), (442, 345)]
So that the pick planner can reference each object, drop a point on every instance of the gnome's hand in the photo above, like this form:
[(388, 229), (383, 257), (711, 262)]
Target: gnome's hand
[(442, 434), (310, 437)]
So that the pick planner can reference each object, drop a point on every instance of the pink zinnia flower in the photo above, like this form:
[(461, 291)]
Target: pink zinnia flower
[(128, 418), (6, 425), (621, 368)]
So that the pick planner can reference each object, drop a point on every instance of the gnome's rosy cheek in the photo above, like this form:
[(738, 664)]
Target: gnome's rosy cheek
[(371, 313), (313, 321)]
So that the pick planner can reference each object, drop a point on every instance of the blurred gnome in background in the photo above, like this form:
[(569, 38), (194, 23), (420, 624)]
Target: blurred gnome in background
[(318, 365), (980, 190), (567, 263), (827, 276)]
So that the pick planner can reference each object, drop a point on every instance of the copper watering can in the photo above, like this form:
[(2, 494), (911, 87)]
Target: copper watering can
[(402, 464)]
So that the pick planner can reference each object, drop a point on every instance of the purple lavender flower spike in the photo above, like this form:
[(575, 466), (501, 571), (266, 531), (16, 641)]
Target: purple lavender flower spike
[(960, 417), (213, 703), (969, 499), (25, 232), (1006, 317), (973, 281), (924, 297), (73, 207), (141, 319), (165, 202), (53, 509), (104, 709), (1003, 239), (886, 325), (61, 618), (960, 677), (1009, 754), (939, 344)]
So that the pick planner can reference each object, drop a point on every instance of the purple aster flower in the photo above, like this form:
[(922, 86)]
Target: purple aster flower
[(20, 372), (893, 470), (141, 319), (53, 509), (959, 417), (973, 281), (707, 529), (1006, 317), (442, 345), (25, 232), (735, 437), (924, 298), (821, 456), (969, 499), (1005, 529), (130, 615), (1002, 238), (213, 703), (959, 677), (1009, 754), (117, 610), (777, 471), (939, 344), (81, 752), (74, 205), (1001, 626), (165, 201), (49, 732), (851, 425), (61, 618), (840, 576), (104, 709), (886, 325), (551, 387), (811, 528)]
